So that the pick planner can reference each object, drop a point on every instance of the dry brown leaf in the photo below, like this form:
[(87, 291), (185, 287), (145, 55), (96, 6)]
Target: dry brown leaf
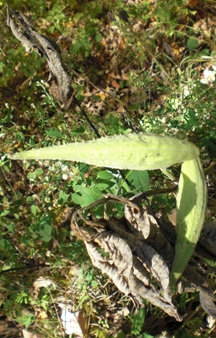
[(207, 302), (121, 314), (129, 273), (42, 314), (114, 75), (115, 84), (27, 334), (155, 264), (131, 262), (138, 218), (124, 75), (172, 216), (137, 26), (43, 282), (73, 322), (119, 273)]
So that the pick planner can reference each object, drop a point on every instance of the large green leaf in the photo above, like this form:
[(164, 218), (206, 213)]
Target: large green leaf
[(88, 194), (138, 179)]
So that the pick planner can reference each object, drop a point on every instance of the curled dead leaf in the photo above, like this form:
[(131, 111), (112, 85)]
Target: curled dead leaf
[(120, 248), (130, 273)]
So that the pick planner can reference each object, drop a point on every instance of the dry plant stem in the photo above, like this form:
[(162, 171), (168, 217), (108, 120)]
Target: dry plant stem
[(142, 195), (12, 189), (87, 119), (167, 230), (23, 268), (169, 175), (88, 81), (210, 169)]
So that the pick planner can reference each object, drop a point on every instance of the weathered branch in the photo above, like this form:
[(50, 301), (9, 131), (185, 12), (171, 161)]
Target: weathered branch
[(23, 30)]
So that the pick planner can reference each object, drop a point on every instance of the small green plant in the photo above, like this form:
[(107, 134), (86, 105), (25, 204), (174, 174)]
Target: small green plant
[(141, 152), (138, 321)]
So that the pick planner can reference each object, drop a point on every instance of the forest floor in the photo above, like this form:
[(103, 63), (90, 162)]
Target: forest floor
[(135, 66)]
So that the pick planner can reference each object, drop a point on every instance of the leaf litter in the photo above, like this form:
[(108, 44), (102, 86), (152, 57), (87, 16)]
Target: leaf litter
[(136, 264), (145, 269)]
